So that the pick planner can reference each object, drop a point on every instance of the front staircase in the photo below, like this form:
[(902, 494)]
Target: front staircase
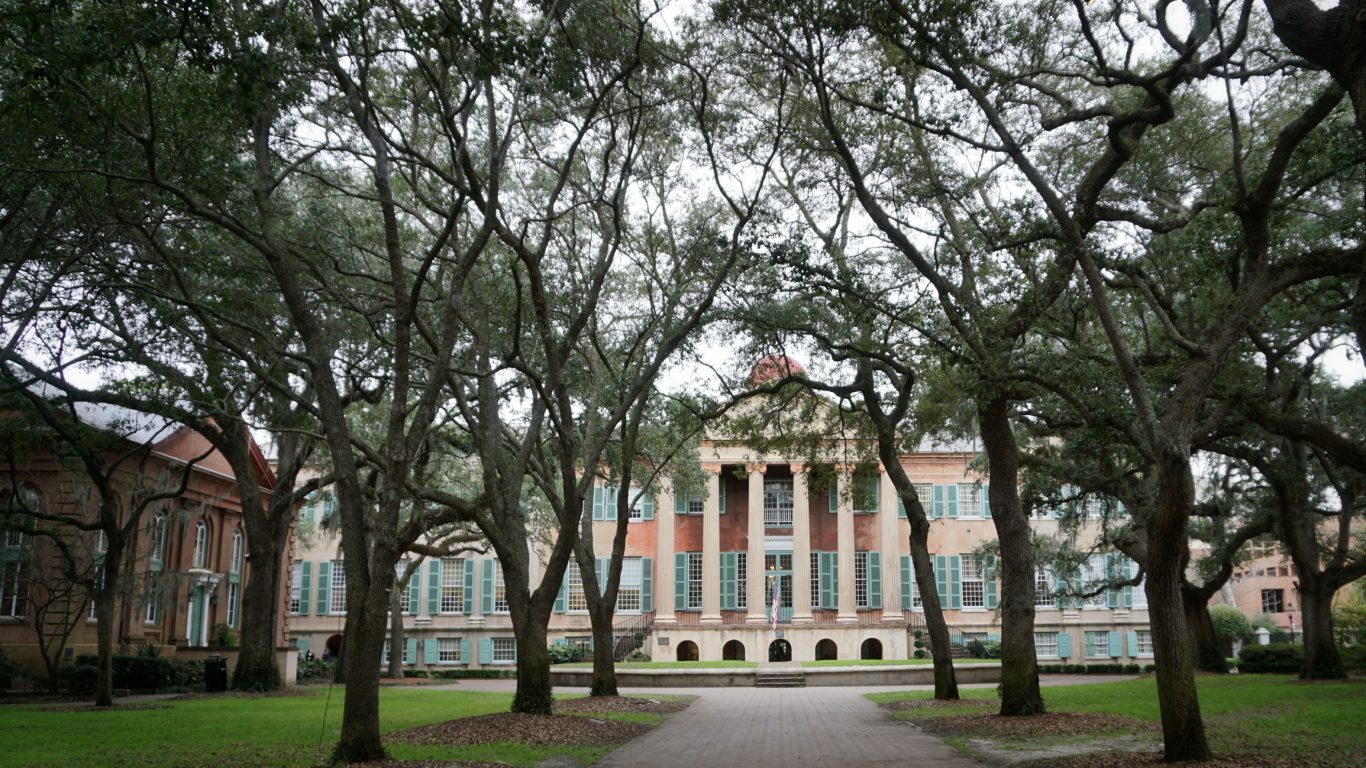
[(780, 677)]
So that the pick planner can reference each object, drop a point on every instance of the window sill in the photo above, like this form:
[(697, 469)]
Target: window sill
[(973, 609)]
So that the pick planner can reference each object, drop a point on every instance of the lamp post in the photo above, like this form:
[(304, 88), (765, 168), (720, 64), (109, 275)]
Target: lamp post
[(1291, 611)]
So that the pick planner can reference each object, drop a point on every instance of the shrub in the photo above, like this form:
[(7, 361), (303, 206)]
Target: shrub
[(1274, 658), (312, 670), (141, 671), (1230, 623), (223, 636), (563, 653), (474, 674), (920, 653), (984, 649), (7, 672), (1354, 658), (78, 679)]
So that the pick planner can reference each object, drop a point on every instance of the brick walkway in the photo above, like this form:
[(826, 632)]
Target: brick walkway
[(783, 727)]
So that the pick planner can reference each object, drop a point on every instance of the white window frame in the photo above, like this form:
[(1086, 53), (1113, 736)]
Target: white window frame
[(152, 609), (778, 503), (815, 579), (1092, 578), (296, 586), (336, 598), (696, 505), (1143, 638), (1280, 600), (576, 599), (629, 589), (201, 545), (159, 538), (969, 501), (861, 579), (235, 565), (452, 585), (1099, 645), (504, 650), (973, 573), (1045, 589), (448, 650), (636, 513), (870, 496), (1046, 645), (500, 590), (234, 596), (741, 580), (693, 592), (13, 588)]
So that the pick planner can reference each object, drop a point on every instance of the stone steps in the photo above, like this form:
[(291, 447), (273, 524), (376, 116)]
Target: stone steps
[(780, 679)]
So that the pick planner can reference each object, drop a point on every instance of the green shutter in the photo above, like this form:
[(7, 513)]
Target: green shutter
[(1112, 596), (680, 504), (324, 587), (414, 591), (602, 566), (1064, 645), (989, 580), (680, 581), (309, 512), (464, 650), (515, 650), (430, 651), (1089, 642), (952, 506), (305, 584), (941, 579), (900, 507), (874, 579), (487, 589), (1115, 650), (647, 506), (328, 506), (728, 574), (609, 502), (721, 494), (302, 645), (907, 574), (938, 505), (647, 584), (985, 498), (434, 586), (834, 496), (485, 650), (598, 513), (1130, 570), (828, 588), (410, 650), (1133, 644), (955, 581), (468, 565)]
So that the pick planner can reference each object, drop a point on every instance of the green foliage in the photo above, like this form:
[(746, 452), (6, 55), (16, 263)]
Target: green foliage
[(1275, 658), (984, 649), (315, 670), (136, 671), (7, 672), (1349, 619), (567, 654), (1230, 623), (223, 636)]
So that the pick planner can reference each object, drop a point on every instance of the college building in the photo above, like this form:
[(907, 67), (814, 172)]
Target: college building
[(830, 541)]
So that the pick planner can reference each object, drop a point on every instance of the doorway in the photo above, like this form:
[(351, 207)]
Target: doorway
[(780, 650)]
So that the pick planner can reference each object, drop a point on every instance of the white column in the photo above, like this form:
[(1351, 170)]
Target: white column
[(891, 550), (801, 546), (711, 546), (664, 557), (844, 528), (755, 570)]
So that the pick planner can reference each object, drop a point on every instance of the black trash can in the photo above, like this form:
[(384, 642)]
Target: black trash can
[(215, 674)]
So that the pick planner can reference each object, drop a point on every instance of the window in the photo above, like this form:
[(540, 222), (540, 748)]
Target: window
[(582, 642), (694, 580), (969, 500), (925, 492), (741, 579), (504, 650), (452, 584), (234, 594), (152, 612), (296, 585), (694, 506), (1046, 645), (1093, 580), (638, 501), (13, 589), (815, 579), (861, 579), (201, 544), (628, 591), (500, 590), (159, 539), (1097, 643), (1094, 507), (865, 493), (235, 565), (1273, 600), (448, 650), (1044, 596), (336, 599), (403, 585), (578, 601), (1144, 638), (974, 587), (778, 503)]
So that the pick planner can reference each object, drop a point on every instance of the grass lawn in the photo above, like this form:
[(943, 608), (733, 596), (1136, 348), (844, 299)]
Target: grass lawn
[(670, 664), (890, 662), (261, 731), (1269, 714)]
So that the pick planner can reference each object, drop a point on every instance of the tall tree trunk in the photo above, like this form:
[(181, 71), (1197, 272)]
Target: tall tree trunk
[(945, 681), (367, 608), (1183, 730), (1020, 694), (257, 669), (397, 635), (1200, 629), (104, 644), (1321, 659), (533, 694), (604, 665)]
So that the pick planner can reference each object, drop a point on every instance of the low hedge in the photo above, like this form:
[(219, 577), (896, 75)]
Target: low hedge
[(1093, 669), (134, 672), (475, 674), (1276, 658)]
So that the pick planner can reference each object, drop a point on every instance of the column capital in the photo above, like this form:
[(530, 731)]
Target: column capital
[(712, 467), (758, 467), (797, 467)]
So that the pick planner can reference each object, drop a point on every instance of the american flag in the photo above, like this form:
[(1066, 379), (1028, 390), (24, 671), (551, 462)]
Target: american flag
[(773, 615)]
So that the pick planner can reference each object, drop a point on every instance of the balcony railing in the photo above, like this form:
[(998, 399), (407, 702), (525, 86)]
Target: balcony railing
[(866, 616)]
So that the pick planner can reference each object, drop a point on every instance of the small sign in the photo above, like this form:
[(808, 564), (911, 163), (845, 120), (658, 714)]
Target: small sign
[(781, 634), (663, 640)]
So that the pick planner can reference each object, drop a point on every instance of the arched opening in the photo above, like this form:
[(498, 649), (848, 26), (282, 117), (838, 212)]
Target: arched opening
[(332, 648), (687, 651), (780, 650), (826, 649), (871, 649), (733, 651)]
